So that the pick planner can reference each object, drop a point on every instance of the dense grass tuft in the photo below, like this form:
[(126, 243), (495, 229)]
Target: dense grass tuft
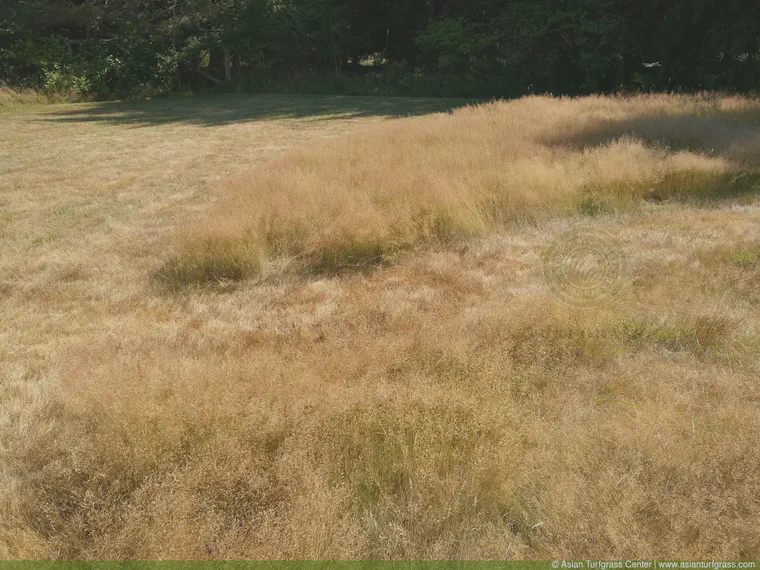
[(405, 184), (27, 97)]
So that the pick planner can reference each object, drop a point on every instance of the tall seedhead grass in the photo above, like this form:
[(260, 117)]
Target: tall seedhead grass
[(394, 187)]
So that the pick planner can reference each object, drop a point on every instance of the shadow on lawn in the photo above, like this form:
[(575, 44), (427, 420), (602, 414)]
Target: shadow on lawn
[(226, 109)]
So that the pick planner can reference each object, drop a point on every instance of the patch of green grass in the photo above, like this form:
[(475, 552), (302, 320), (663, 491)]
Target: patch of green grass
[(686, 334), (43, 240), (5, 220), (15, 98), (641, 333), (745, 258), (63, 211)]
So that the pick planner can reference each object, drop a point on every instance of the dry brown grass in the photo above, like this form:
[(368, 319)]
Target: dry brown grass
[(435, 179), (446, 406)]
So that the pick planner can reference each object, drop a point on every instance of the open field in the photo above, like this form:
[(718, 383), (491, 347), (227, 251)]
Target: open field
[(214, 345)]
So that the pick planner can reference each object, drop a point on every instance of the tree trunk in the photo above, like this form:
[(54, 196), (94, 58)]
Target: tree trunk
[(227, 65), (335, 57)]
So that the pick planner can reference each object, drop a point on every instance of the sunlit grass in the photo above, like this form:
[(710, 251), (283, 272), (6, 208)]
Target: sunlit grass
[(380, 370), (474, 172)]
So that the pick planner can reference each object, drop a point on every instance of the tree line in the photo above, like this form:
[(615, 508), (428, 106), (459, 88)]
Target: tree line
[(473, 48)]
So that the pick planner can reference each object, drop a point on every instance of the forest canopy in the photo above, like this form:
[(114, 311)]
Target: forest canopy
[(473, 48)]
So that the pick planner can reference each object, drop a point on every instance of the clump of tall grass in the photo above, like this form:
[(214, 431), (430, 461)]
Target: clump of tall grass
[(406, 183), (18, 97)]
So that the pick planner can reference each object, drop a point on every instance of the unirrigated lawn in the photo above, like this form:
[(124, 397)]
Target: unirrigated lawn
[(190, 369)]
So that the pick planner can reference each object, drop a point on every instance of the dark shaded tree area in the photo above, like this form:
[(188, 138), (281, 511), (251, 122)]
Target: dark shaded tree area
[(431, 47)]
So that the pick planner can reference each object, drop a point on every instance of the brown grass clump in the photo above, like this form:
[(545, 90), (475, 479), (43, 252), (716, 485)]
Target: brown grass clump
[(391, 188), (448, 406)]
